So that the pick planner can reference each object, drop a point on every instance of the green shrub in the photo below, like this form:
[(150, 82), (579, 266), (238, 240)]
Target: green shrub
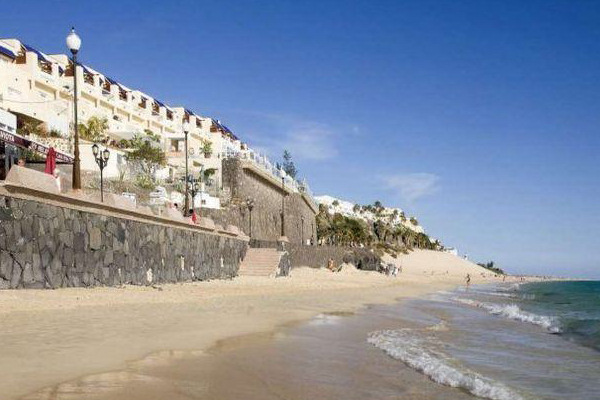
[(144, 181)]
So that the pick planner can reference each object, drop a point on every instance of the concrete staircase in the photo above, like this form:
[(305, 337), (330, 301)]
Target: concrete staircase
[(260, 262)]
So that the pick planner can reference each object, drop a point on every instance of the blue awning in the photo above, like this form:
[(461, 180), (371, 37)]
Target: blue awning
[(40, 55), (7, 52)]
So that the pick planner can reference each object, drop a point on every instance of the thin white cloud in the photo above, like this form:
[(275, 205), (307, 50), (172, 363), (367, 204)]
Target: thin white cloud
[(304, 139), (309, 141), (412, 186)]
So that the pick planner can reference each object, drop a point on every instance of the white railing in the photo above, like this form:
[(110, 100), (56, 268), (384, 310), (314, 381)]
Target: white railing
[(265, 165)]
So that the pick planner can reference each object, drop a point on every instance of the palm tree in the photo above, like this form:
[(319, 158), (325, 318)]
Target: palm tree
[(94, 129)]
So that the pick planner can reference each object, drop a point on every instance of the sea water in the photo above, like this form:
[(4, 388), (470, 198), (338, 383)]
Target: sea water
[(514, 341)]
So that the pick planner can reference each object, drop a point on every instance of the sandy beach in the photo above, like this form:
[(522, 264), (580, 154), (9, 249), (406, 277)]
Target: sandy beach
[(52, 339)]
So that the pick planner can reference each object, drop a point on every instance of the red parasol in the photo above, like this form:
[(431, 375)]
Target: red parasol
[(50, 161)]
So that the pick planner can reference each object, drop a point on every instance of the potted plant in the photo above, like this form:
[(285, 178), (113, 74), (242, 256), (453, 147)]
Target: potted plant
[(207, 149)]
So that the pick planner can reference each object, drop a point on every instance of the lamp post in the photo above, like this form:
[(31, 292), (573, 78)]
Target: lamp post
[(250, 205), (186, 128), (200, 188), (101, 159), (74, 43), (195, 189), (302, 230), (282, 206)]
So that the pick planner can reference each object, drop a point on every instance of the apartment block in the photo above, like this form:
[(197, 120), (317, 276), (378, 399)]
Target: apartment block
[(39, 87)]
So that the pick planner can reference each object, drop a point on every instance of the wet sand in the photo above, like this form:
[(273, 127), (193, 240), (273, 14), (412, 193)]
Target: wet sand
[(56, 341)]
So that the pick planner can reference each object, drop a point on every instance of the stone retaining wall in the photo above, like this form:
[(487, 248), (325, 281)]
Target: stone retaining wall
[(318, 256), (48, 246), (244, 182)]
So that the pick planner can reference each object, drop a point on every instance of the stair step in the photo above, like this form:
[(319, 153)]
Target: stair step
[(260, 262)]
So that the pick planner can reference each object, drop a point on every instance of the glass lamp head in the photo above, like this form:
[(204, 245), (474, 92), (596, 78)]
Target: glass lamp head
[(73, 41)]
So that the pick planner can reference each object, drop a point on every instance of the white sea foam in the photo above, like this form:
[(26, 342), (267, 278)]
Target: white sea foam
[(422, 353), (512, 311), (500, 294), (325, 319), (492, 293), (513, 287), (528, 296)]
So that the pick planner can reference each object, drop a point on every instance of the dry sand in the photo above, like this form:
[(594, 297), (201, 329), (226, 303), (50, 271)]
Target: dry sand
[(49, 337)]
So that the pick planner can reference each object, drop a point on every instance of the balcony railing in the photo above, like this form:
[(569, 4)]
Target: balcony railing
[(265, 165)]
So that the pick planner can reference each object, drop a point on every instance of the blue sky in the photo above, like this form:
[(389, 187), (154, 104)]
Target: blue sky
[(479, 117)]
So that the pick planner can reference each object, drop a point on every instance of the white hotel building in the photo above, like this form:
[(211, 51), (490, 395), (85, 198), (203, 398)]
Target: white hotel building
[(37, 86)]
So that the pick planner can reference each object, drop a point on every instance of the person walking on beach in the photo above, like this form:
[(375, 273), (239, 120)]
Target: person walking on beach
[(330, 265), (468, 280)]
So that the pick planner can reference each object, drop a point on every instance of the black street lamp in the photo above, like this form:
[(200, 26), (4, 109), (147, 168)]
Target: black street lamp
[(250, 205), (74, 43), (186, 128), (195, 188), (302, 230), (282, 207), (200, 182), (101, 159)]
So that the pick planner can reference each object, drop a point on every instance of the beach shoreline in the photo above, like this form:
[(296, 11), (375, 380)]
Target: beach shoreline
[(54, 338)]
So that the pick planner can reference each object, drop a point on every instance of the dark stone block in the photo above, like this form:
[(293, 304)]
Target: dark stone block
[(79, 242), (6, 214), (17, 230), (95, 239), (28, 274), (111, 227), (36, 267), (15, 278), (67, 238), (17, 213), (45, 257), (68, 257), (76, 225)]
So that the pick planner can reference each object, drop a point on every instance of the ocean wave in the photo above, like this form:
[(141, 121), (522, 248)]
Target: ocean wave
[(420, 353), (512, 311), (512, 287), (494, 293), (528, 296)]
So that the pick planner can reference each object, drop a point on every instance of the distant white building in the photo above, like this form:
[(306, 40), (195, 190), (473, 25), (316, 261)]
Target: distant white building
[(451, 250)]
